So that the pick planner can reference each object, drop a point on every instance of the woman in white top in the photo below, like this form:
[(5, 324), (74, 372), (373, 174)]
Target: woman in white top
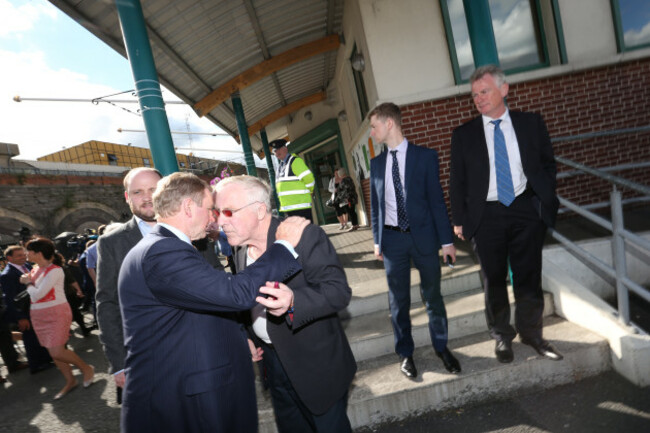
[(50, 312)]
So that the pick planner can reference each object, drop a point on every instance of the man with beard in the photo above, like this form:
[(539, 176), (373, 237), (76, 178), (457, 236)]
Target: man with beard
[(139, 185)]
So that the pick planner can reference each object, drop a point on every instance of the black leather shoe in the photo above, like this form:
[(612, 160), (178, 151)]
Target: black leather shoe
[(20, 365), (503, 351), (449, 360), (407, 366), (544, 348)]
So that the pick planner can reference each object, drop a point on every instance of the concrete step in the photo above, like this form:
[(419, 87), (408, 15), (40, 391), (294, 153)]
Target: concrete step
[(371, 335), (380, 392), (372, 295)]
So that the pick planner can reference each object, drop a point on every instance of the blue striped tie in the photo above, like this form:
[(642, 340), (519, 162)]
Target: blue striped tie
[(505, 189), (402, 220)]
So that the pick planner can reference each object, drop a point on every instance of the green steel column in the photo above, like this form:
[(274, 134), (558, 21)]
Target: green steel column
[(269, 164), (481, 33), (243, 134), (147, 85)]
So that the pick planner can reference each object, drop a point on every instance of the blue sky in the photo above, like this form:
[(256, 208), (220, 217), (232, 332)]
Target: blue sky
[(45, 54)]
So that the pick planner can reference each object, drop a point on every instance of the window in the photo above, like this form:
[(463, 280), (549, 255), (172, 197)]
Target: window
[(146, 162), (360, 85), (112, 159), (518, 33), (632, 22)]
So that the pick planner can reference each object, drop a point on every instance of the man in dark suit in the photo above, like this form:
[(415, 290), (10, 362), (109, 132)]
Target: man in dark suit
[(502, 198), (139, 185), (306, 355), (188, 364), (38, 357), (409, 222)]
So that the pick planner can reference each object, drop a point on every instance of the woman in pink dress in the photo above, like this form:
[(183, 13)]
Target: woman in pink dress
[(50, 312)]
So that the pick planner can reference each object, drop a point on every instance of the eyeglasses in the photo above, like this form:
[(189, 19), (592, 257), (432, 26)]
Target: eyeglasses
[(228, 213)]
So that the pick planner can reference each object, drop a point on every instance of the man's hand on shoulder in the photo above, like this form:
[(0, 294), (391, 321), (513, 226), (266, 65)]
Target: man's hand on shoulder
[(291, 229)]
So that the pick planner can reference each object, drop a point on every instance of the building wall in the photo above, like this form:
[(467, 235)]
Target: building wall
[(588, 28), (407, 47)]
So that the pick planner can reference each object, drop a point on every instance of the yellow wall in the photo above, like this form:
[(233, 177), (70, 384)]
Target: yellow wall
[(99, 152)]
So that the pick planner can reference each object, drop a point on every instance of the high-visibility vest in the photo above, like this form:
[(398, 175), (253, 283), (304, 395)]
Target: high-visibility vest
[(294, 183)]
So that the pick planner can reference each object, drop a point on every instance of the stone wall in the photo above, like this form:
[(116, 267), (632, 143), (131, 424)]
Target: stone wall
[(49, 205)]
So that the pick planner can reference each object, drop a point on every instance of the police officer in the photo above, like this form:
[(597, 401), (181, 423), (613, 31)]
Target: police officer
[(294, 182)]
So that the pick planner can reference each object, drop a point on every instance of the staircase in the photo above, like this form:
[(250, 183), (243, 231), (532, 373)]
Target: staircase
[(380, 392)]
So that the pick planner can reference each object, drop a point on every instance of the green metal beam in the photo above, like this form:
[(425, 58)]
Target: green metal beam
[(243, 134), (481, 33), (147, 85), (269, 165)]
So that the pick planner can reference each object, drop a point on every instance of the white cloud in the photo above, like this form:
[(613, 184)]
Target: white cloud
[(40, 128), (635, 37), (14, 20)]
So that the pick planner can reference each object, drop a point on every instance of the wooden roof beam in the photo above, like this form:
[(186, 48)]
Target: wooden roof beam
[(264, 69), (281, 112)]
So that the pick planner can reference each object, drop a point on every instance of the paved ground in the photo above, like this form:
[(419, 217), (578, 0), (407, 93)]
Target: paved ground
[(607, 403), (601, 404)]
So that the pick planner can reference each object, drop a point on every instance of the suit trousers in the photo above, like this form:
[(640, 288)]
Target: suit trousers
[(7, 349), (37, 355), (398, 251), (512, 235), (291, 415)]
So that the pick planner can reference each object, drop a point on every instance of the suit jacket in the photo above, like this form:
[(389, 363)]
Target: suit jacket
[(10, 283), (470, 169), (313, 349), (111, 250), (425, 204), (188, 364)]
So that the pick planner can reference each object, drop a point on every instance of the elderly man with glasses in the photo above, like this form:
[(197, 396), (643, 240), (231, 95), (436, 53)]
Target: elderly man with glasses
[(188, 365), (306, 355)]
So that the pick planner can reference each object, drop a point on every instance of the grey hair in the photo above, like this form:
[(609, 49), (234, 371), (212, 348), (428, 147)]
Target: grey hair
[(256, 188), (342, 172), (493, 70)]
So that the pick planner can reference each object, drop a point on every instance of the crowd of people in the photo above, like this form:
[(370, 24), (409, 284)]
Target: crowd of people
[(181, 332)]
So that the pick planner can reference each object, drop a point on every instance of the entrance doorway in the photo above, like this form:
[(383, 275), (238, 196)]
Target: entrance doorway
[(323, 161)]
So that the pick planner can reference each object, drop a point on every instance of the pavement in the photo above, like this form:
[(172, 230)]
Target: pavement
[(605, 403)]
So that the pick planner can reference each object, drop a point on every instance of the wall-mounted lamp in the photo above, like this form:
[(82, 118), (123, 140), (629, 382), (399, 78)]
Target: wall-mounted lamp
[(358, 62), (308, 115), (343, 116)]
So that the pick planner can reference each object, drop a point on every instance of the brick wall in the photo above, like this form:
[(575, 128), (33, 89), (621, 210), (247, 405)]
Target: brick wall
[(612, 97)]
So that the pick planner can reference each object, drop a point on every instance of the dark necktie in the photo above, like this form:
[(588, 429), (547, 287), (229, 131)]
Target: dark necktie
[(505, 188), (402, 220)]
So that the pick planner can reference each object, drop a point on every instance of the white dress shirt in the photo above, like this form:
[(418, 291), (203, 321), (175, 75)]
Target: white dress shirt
[(390, 217)]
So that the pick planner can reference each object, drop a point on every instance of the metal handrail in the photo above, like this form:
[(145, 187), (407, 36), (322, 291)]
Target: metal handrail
[(617, 272)]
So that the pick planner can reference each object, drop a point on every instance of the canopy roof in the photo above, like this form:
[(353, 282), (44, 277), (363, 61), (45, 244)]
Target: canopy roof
[(279, 54)]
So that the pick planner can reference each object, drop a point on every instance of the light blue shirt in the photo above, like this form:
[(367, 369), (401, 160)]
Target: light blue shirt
[(144, 227), (519, 180), (91, 256), (179, 234)]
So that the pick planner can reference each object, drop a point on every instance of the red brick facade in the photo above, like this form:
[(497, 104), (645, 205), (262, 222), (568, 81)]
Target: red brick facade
[(595, 100)]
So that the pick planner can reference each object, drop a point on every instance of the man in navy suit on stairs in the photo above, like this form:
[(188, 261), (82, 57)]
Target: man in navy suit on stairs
[(410, 223)]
